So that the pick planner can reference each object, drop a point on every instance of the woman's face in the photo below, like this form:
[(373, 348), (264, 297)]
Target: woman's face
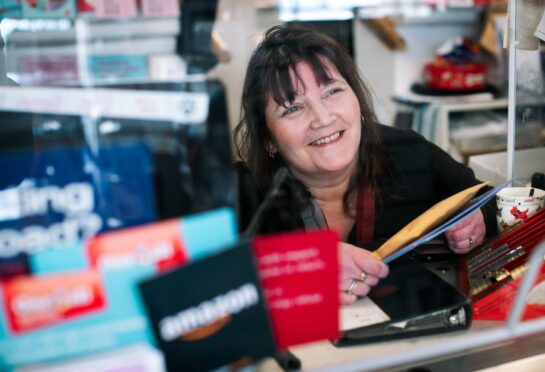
[(318, 134)]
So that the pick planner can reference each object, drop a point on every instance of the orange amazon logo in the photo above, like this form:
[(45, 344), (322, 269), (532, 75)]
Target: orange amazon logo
[(207, 330)]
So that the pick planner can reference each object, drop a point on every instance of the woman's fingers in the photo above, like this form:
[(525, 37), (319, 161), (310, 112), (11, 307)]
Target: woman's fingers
[(467, 234), (356, 260), (347, 299), (360, 271)]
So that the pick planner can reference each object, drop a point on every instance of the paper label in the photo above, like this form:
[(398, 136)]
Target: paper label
[(362, 313)]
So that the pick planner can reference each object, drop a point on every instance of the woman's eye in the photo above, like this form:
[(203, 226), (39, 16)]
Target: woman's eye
[(334, 91), (290, 110)]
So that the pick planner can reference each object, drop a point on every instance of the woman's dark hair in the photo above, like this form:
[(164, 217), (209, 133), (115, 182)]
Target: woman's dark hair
[(268, 75)]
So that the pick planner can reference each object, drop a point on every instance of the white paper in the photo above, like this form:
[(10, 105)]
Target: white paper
[(363, 312)]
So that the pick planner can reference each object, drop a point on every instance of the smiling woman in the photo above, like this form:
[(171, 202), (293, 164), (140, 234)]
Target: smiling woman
[(305, 107), (318, 134)]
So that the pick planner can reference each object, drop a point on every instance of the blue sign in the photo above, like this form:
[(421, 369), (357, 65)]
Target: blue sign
[(70, 194)]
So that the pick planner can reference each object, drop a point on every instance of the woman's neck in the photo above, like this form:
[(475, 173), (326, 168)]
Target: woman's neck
[(330, 197), (329, 193), (326, 188)]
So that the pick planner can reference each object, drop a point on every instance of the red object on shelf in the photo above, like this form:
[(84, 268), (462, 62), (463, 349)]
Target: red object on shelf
[(455, 77), (503, 272), (497, 305)]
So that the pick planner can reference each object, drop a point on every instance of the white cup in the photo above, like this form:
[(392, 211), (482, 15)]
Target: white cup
[(516, 204)]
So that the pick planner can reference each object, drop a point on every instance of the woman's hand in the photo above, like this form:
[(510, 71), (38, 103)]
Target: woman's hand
[(466, 234), (359, 272)]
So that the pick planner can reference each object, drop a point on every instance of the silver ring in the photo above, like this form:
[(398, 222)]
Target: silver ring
[(362, 277), (470, 242), (351, 287)]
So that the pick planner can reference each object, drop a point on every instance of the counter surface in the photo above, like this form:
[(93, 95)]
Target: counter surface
[(324, 355)]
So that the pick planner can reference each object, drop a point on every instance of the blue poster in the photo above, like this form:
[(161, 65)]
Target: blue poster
[(69, 195)]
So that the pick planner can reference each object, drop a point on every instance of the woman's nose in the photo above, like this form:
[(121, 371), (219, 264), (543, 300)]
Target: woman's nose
[(321, 115)]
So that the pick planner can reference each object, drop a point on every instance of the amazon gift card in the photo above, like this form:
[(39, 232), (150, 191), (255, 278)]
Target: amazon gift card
[(210, 313)]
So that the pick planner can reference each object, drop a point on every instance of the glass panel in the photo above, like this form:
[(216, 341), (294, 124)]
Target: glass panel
[(115, 164), (530, 94), (104, 117)]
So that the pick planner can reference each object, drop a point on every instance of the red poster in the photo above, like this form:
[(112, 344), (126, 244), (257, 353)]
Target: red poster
[(300, 279)]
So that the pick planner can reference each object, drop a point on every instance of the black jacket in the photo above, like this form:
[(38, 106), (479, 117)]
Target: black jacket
[(419, 175)]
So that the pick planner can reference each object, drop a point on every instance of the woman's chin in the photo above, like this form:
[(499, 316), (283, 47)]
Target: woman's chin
[(336, 169), (338, 165)]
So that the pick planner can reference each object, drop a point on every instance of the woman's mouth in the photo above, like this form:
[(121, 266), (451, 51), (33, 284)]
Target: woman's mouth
[(328, 139)]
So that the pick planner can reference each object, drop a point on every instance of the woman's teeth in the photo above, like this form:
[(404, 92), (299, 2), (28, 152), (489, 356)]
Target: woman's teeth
[(323, 141)]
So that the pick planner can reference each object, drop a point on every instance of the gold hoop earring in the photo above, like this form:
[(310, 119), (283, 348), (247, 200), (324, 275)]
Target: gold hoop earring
[(271, 150)]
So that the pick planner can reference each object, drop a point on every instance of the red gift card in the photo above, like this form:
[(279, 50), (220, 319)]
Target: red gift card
[(157, 243), (300, 279), (33, 302)]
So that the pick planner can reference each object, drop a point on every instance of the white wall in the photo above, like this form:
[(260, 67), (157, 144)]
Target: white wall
[(241, 26), (392, 72), (388, 72)]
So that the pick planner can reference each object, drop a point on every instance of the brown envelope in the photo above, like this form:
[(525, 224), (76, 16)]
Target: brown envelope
[(427, 221)]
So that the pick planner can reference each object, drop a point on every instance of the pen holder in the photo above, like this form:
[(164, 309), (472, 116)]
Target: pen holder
[(516, 204)]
